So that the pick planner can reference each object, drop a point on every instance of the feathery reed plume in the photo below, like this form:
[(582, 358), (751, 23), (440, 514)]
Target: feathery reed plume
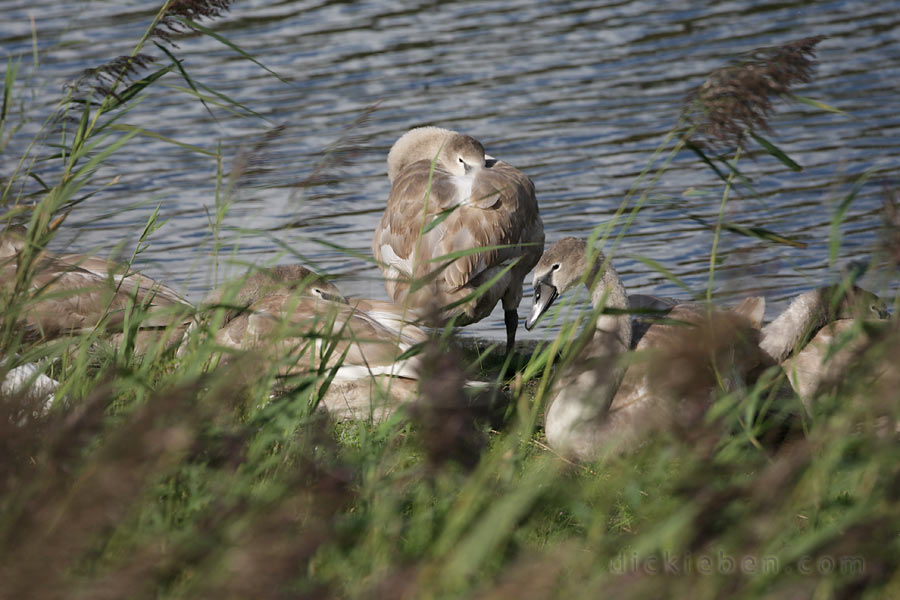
[(737, 99), (342, 152), (716, 354), (254, 161), (100, 82), (170, 25)]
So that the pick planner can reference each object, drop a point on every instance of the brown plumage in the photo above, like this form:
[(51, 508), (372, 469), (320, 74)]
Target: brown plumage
[(599, 402), (832, 319), (466, 200), (74, 293), (238, 295), (297, 320)]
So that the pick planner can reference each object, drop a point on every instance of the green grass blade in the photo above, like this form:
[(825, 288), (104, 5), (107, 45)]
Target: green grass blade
[(12, 71), (776, 152), (706, 160), (835, 237), (232, 45), (152, 134), (659, 268), (750, 231), (440, 218), (818, 104), (135, 88)]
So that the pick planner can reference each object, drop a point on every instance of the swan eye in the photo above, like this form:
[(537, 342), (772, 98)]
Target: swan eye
[(537, 294), (555, 267)]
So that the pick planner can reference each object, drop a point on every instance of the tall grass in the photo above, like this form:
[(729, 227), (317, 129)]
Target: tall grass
[(160, 476)]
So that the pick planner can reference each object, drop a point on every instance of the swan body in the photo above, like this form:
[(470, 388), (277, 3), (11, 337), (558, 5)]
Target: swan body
[(828, 318), (292, 316), (448, 197), (75, 293), (599, 401), (29, 380)]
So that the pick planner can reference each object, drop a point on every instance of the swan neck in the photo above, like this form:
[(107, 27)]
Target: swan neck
[(805, 314), (609, 292), (581, 403)]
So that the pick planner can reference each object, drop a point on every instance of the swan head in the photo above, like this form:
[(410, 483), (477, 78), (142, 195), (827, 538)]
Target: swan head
[(561, 268), (462, 155), (12, 241), (854, 302), (457, 153), (281, 277), (298, 277)]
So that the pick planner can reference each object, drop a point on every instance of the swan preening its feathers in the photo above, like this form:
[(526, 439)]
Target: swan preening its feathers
[(448, 198)]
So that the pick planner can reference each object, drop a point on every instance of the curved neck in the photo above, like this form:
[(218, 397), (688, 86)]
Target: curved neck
[(582, 400), (805, 314), (422, 143), (609, 292)]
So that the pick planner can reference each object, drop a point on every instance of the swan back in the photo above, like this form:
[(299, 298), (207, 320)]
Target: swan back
[(401, 319), (279, 309), (68, 298)]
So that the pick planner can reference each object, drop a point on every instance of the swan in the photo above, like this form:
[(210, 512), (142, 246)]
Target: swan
[(601, 402), (448, 197), (29, 381), (291, 315), (76, 293), (238, 296), (829, 317)]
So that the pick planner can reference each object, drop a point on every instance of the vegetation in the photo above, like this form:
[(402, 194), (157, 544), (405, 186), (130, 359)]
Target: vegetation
[(160, 476)]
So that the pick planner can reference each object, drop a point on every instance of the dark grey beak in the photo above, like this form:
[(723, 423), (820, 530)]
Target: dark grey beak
[(334, 298), (544, 295)]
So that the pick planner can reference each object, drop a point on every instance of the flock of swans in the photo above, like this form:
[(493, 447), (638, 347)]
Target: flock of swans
[(460, 233)]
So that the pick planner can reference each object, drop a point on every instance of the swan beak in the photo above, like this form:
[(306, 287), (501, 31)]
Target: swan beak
[(334, 298), (544, 295)]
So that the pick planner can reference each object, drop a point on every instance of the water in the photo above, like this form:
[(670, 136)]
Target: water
[(577, 95)]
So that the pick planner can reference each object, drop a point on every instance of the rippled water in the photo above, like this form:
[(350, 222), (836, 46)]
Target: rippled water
[(576, 94)]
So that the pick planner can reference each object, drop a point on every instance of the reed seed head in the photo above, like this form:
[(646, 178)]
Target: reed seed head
[(737, 99)]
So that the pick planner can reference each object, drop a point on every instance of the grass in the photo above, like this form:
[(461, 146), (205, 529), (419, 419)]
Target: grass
[(160, 477)]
